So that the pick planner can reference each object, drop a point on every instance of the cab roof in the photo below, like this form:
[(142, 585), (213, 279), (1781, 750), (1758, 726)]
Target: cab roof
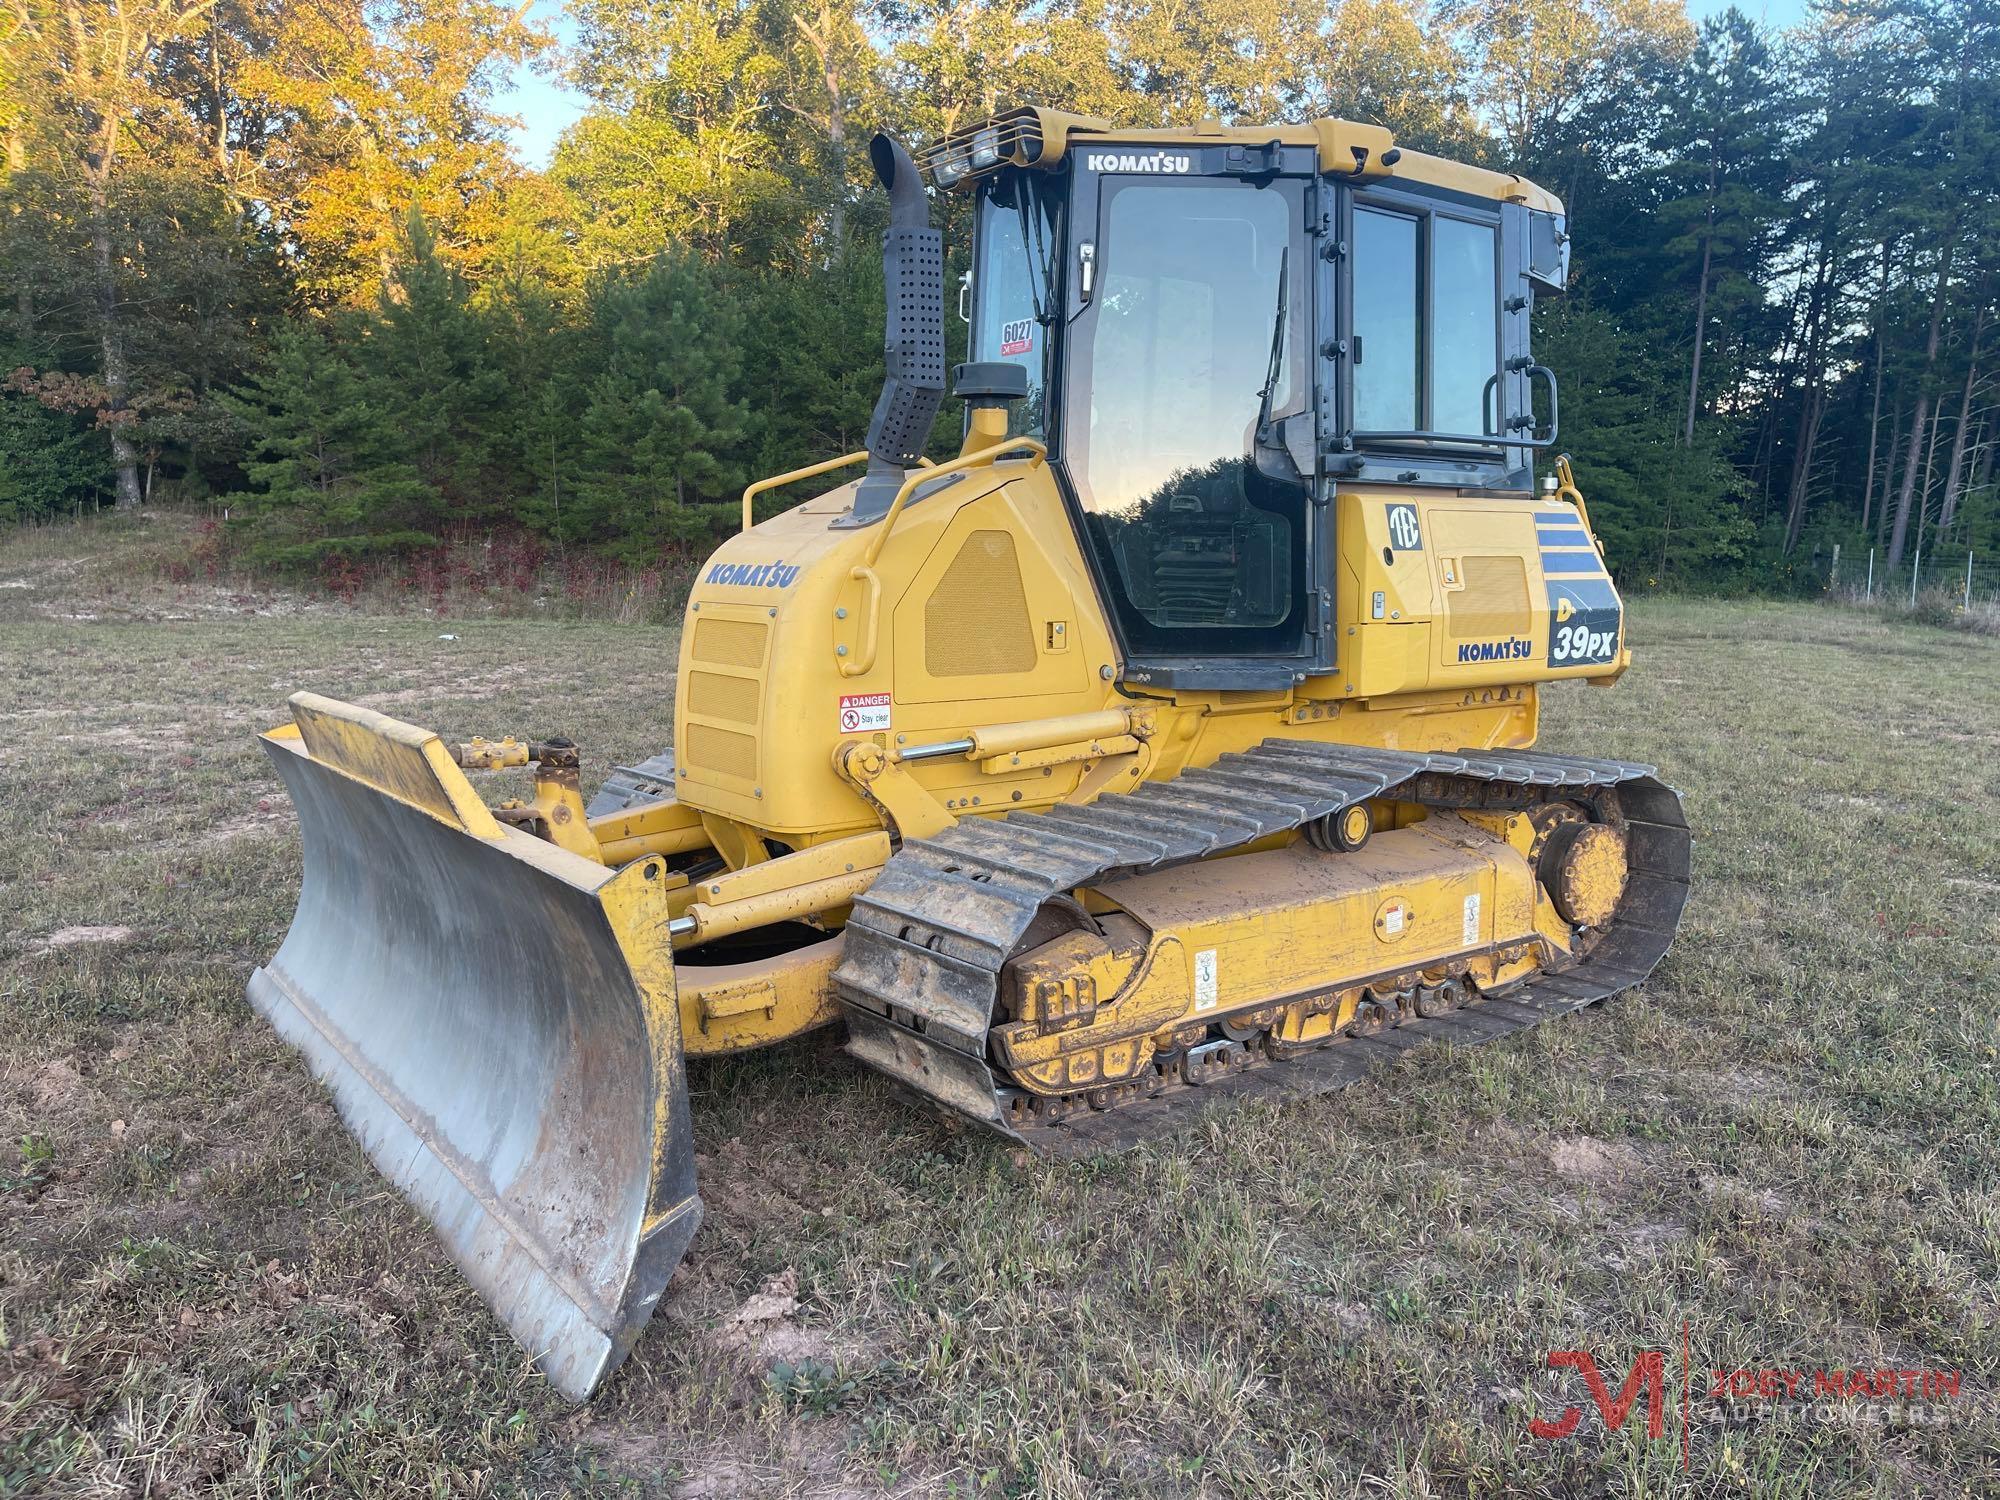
[(1032, 136)]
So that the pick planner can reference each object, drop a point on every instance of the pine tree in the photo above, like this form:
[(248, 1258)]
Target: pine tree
[(1667, 511), (48, 463), (663, 438), (813, 359), (1725, 174), (539, 355), (329, 464), (429, 365)]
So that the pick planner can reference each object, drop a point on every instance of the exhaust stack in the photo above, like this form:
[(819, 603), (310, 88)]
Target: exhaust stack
[(913, 333)]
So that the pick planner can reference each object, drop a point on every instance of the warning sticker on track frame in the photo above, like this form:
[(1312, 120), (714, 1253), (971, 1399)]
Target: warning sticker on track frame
[(1204, 979)]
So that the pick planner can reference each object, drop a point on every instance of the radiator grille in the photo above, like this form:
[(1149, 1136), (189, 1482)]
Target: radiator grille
[(1494, 601), (976, 619), (730, 643), (723, 751), (713, 696)]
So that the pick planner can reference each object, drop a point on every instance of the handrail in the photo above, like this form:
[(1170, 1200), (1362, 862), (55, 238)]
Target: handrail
[(919, 476), (863, 572), (863, 659), (1566, 490), (811, 471)]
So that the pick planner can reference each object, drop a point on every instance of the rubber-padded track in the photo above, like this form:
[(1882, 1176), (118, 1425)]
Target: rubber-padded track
[(927, 941)]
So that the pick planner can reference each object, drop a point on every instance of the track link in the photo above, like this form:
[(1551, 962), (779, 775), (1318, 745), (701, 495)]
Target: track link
[(926, 943)]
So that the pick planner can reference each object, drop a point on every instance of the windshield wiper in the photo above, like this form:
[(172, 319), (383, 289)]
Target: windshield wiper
[(1277, 359), (1035, 246)]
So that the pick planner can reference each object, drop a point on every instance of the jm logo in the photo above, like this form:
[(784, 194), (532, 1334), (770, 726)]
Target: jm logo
[(1648, 1374)]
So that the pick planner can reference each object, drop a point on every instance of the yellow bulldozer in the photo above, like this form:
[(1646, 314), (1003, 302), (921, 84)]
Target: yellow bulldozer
[(1170, 743)]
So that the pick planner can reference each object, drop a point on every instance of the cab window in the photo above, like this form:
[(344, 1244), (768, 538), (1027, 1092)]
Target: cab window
[(1190, 347), (1426, 334), (1011, 278)]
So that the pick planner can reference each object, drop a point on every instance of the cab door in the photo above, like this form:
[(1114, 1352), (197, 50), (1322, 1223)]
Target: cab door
[(1188, 416)]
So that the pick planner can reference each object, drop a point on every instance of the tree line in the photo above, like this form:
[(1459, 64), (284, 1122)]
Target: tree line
[(281, 258)]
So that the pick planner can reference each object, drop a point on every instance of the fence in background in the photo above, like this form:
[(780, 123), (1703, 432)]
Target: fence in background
[(1964, 578)]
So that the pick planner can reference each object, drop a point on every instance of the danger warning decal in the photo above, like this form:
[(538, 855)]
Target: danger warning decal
[(1017, 337), (861, 713)]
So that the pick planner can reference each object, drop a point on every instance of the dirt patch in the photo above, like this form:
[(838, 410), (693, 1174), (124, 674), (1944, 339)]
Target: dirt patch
[(807, 1462), (1764, 1202), (1583, 1158), (775, 1304), (80, 937), (1740, 1087), (479, 685), (55, 1082), (765, 1329), (269, 813), (1353, 1319)]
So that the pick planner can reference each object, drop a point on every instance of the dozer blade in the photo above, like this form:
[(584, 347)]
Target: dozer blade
[(496, 1018)]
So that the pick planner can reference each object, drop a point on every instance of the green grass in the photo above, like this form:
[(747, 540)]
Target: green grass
[(1790, 1138)]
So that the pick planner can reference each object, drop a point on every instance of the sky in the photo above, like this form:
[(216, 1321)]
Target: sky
[(1770, 12), (546, 108)]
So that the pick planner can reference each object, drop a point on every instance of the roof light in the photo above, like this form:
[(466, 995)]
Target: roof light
[(986, 148), (947, 170)]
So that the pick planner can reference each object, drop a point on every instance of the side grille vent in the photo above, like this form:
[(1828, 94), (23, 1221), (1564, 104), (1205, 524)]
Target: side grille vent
[(976, 619), (730, 643), (734, 648), (723, 751), (713, 696), (1494, 601)]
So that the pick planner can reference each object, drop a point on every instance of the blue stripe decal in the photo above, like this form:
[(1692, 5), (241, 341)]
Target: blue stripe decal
[(1565, 518), (1550, 536), (1585, 593), (1572, 567)]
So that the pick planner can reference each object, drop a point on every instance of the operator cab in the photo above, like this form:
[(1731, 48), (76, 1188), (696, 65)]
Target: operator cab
[(1220, 328)]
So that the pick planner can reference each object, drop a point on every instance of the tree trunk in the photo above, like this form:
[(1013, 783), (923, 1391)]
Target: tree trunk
[(110, 334), (1811, 414), (1899, 534), (1924, 489), (1888, 473), (1701, 331), (1812, 406), (823, 38), (1875, 409), (836, 144), (1955, 467), (1767, 427)]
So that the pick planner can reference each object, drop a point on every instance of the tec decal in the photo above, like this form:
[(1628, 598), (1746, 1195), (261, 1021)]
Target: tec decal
[(770, 575), (1514, 648), (1138, 161)]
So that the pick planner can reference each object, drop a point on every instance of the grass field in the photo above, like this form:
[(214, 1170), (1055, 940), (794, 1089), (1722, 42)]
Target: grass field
[(1786, 1147)]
